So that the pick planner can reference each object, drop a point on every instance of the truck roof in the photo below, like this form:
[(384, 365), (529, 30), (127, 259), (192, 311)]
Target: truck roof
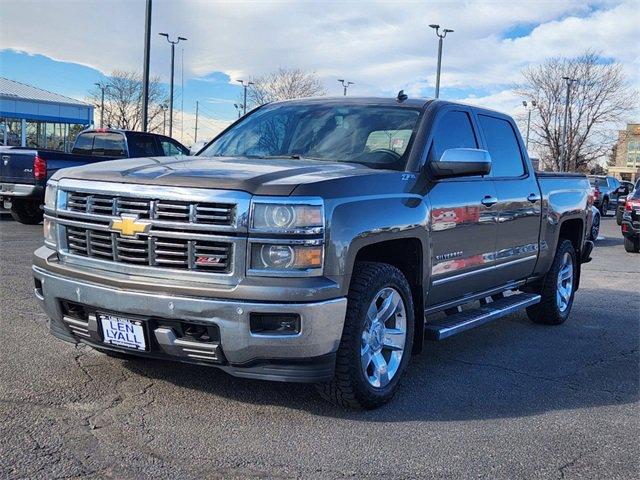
[(417, 102)]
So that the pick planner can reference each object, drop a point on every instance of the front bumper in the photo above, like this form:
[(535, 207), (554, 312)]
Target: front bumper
[(305, 357)]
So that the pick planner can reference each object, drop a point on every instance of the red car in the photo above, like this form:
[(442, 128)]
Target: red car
[(631, 223)]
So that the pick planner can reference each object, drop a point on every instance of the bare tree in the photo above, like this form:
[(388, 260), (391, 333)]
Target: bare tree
[(599, 100), (284, 84), (123, 101)]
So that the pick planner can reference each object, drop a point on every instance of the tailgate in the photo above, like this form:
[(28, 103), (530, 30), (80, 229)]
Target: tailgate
[(17, 166)]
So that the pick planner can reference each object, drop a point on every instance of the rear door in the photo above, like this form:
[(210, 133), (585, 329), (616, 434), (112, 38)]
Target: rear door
[(463, 229), (519, 199)]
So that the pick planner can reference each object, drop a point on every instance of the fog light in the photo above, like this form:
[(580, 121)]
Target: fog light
[(275, 323)]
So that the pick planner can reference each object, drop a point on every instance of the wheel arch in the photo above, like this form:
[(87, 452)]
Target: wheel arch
[(406, 254)]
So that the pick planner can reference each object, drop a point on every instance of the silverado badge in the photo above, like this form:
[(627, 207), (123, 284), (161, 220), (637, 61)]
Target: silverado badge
[(129, 225)]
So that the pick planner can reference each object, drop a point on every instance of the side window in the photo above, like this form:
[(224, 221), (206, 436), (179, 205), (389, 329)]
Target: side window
[(503, 146), (109, 145), (453, 130), (142, 145), (84, 144), (169, 148)]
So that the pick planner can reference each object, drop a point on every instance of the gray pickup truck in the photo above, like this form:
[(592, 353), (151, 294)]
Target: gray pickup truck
[(317, 240)]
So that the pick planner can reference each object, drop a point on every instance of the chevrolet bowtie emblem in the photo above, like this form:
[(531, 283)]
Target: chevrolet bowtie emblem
[(129, 226)]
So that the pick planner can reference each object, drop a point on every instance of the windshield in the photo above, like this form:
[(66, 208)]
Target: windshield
[(372, 135)]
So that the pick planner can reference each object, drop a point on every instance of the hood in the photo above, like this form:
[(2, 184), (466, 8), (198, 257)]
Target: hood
[(256, 176)]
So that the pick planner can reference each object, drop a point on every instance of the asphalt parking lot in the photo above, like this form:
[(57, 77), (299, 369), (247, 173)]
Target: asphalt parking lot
[(509, 400)]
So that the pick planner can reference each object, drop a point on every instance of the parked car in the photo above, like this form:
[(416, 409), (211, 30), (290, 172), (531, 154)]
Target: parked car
[(604, 190), (24, 171), (314, 240), (624, 190), (631, 222)]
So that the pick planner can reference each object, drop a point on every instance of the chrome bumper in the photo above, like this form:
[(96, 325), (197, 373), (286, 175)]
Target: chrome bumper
[(320, 332), (18, 190)]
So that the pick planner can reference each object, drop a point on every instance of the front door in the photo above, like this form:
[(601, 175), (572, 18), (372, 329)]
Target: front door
[(463, 217)]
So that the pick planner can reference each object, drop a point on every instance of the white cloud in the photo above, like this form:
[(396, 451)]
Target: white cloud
[(382, 46)]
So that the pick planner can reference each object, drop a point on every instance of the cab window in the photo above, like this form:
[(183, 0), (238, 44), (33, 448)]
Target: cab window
[(453, 130), (503, 145), (109, 145), (170, 149)]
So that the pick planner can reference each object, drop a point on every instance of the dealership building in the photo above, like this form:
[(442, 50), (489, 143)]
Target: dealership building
[(32, 117), (627, 154)]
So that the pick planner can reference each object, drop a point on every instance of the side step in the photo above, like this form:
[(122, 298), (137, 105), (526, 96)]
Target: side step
[(466, 320)]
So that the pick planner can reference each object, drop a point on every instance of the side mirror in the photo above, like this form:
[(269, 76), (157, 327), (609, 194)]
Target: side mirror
[(462, 162)]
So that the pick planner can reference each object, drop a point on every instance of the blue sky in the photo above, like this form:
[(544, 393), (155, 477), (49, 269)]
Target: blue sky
[(381, 46)]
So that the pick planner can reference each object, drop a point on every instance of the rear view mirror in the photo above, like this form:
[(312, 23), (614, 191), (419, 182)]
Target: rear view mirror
[(462, 162)]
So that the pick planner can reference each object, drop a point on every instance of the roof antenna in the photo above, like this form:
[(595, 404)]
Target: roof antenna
[(402, 96)]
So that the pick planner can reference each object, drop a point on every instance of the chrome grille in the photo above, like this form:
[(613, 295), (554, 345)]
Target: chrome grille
[(205, 213), (154, 251)]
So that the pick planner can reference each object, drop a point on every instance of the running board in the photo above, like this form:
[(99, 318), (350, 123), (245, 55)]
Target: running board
[(468, 319)]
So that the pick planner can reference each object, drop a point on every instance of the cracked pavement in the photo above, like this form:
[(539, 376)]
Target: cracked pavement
[(508, 400)]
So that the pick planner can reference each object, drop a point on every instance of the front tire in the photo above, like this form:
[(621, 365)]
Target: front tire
[(557, 288), (632, 245), (27, 212), (376, 341)]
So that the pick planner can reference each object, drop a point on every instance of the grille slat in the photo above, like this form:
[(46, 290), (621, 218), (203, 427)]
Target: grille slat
[(158, 252), (189, 213)]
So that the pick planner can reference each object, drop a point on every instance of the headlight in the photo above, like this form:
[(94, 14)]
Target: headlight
[(295, 217), (50, 195), (286, 257), (50, 233)]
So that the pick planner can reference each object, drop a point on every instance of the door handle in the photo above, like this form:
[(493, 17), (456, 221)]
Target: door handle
[(533, 197), (489, 201)]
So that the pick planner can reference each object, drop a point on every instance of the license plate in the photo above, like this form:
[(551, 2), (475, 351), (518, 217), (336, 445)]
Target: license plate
[(123, 332)]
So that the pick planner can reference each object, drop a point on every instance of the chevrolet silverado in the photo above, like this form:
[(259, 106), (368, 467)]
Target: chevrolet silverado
[(315, 240)]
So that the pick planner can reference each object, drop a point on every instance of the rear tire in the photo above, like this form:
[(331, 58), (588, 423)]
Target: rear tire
[(604, 208), (557, 289), (632, 245), (27, 212), (374, 351), (619, 214)]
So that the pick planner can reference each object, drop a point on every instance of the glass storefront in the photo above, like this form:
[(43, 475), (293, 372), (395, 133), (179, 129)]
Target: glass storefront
[(49, 135)]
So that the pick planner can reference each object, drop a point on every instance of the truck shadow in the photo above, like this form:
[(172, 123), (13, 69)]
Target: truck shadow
[(510, 368)]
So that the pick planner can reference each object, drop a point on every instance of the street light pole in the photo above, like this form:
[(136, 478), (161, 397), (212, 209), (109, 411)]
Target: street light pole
[(345, 85), (441, 37), (164, 108), (238, 108), (245, 84), (565, 150), (173, 55), (145, 68), (195, 135), (534, 104), (102, 87)]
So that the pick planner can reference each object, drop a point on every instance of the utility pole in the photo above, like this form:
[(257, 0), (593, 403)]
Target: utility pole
[(534, 104), (440, 39), (345, 85), (145, 68), (102, 87), (195, 135), (245, 84), (565, 150), (173, 57)]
